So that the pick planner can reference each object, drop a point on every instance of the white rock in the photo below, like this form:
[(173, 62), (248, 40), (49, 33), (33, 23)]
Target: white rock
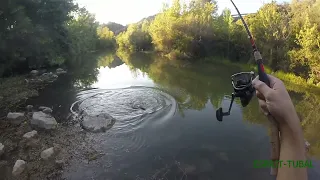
[(15, 118), (34, 72), (59, 69), (47, 154), (42, 120), (41, 108), (1, 149), (99, 123), (19, 167), (30, 135), (47, 110)]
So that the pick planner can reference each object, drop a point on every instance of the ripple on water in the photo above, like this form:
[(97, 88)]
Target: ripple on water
[(133, 108)]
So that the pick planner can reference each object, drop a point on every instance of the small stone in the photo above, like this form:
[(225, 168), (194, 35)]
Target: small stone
[(44, 121), (1, 149), (59, 163), (55, 76), (47, 110), (41, 108), (34, 72), (30, 135), (29, 108), (47, 154), (15, 118), (19, 167), (60, 71)]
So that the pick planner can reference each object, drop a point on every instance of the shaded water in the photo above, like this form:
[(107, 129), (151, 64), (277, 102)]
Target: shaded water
[(165, 120)]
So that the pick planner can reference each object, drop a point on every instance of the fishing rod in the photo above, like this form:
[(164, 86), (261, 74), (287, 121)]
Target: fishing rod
[(242, 85)]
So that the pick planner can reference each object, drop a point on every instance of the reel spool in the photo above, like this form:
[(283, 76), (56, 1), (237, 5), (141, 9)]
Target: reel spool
[(242, 87)]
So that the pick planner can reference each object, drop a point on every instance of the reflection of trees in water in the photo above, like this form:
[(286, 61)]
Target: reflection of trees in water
[(306, 101), (85, 70), (193, 86)]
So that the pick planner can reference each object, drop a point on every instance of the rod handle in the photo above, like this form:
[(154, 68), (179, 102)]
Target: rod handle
[(274, 139)]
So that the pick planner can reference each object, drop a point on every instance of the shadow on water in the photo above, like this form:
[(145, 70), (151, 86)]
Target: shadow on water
[(188, 144)]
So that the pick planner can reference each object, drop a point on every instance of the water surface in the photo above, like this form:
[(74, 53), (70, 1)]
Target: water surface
[(165, 120)]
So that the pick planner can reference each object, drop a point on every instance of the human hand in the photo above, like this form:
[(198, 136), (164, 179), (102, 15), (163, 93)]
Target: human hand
[(275, 100)]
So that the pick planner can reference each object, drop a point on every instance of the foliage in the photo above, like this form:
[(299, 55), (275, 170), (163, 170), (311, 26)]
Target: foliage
[(184, 28), (32, 33), (136, 38), (115, 27), (286, 34), (106, 38), (45, 33)]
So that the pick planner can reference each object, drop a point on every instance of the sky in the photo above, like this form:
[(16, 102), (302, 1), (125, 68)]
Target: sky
[(130, 11)]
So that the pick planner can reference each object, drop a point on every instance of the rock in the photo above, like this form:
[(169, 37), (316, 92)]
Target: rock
[(47, 110), (19, 167), (30, 135), (48, 77), (99, 123), (15, 118), (34, 72), (47, 154), (42, 120), (60, 71), (59, 163), (41, 108), (1, 149), (29, 108)]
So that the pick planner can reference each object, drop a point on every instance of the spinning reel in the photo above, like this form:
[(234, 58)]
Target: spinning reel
[(242, 86)]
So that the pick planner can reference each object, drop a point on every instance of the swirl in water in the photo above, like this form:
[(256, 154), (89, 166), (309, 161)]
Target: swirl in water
[(131, 107)]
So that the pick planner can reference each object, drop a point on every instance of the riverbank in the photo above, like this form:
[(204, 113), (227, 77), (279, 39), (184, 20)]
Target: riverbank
[(25, 142), (15, 91), (284, 76)]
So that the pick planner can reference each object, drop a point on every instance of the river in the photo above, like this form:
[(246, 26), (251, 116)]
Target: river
[(166, 126)]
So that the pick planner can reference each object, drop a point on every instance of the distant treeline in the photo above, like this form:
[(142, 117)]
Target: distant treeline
[(45, 33), (288, 35)]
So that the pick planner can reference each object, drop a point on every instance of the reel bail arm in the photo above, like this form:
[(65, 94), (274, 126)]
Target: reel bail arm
[(242, 86)]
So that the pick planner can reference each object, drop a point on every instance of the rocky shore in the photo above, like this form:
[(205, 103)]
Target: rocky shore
[(33, 145)]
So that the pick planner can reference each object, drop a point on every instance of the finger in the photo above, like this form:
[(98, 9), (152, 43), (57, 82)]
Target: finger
[(263, 107), (261, 87), (260, 96), (273, 80)]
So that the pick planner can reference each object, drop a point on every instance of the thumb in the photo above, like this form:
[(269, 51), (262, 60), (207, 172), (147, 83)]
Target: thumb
[(260, 86)]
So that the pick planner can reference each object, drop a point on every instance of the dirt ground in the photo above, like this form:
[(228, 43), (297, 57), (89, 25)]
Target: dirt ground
[(70, 140)]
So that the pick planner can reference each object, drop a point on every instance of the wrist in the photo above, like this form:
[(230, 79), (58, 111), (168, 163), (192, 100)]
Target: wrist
[(291, 129)]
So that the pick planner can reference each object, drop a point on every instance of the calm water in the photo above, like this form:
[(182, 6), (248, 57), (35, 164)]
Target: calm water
[(166, 126)]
